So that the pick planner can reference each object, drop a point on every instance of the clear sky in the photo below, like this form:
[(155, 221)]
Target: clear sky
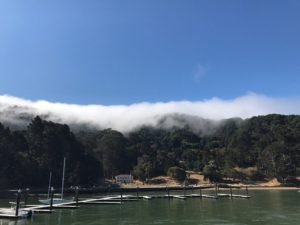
[(128, 51)]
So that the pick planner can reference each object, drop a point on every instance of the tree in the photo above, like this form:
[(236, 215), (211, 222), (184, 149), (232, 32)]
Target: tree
[(211, 172), (48, 144), (177, 173), (144, 169), (111, 151)]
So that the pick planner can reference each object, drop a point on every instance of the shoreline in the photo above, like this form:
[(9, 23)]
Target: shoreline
[(199, 182), (209, 187), (148, 188)]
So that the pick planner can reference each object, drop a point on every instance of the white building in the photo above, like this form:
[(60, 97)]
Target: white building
[(124, 178)]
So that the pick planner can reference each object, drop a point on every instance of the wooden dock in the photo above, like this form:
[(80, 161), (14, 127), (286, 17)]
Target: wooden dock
[(111, 200), (179, 197), (100, 203), (241, 196)]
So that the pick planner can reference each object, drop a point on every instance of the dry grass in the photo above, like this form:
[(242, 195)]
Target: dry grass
[(249, 171), (197, 179)]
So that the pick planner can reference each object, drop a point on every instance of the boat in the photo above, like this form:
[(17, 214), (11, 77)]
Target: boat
[(11, 212), (60, 200), (55, 201)]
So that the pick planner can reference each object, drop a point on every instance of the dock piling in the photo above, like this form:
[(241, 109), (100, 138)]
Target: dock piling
[(168, 191), (26, 196), (137, 191), (109, 187), (76, 195), (51, 198), (247, 193), (18, 202), (94, 189), (121, 194), (200, 193), (231, 192)]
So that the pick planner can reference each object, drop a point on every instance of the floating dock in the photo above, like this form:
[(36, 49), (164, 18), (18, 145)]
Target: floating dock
[(27, 210)]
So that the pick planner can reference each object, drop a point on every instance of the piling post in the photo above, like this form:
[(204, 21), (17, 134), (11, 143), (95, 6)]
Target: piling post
[(200, 192), (26, 196), (137, 191), (184, 191), (230, 192), (216, 190), (121, 194), (51, 198), (109, 187), (168, 191), (76, 195), (18, 202), (247, 191), (93, 189)]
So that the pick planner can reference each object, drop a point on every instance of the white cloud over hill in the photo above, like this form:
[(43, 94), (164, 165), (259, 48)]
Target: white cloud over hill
[(128, 117)]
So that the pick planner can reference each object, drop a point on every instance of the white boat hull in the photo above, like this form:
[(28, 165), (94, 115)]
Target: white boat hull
[(55, 201)]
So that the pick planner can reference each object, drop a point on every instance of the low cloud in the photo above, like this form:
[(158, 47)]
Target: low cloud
[(129, 117)]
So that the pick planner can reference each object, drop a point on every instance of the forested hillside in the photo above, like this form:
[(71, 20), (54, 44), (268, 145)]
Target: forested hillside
[(28, 156), (256, 148)]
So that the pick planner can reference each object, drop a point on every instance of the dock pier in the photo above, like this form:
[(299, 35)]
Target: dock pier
[(22, 212)]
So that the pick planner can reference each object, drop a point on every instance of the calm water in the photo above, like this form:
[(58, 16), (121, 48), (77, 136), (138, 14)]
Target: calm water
[(265, 207)]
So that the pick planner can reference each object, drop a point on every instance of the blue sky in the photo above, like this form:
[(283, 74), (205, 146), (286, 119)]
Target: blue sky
[(124, 52)]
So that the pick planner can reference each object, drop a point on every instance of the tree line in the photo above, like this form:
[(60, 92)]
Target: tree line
[(254, 149)]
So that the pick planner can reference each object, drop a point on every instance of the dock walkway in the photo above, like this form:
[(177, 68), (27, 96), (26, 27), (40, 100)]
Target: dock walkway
[(108, 200)]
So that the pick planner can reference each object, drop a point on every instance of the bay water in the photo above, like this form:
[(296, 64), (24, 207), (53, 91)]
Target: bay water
[(269, 207)]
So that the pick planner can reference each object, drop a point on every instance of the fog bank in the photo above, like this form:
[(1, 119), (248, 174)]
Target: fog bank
[(126, 118)]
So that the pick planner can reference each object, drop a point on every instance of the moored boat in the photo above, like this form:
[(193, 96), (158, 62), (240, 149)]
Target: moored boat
[(60, 200)]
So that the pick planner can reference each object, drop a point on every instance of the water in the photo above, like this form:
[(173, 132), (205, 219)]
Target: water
[(265, 207)]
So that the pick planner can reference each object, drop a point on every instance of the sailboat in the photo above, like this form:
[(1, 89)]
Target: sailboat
[(56, 200)]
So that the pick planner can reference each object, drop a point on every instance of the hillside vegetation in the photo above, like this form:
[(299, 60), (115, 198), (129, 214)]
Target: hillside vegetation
[(253, 149)]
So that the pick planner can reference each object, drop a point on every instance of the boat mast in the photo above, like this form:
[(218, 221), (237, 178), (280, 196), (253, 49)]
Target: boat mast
[(63, 179), (48, 196)]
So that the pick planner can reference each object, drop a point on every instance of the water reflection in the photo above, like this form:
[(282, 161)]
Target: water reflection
[(13, 222), (59, 217)]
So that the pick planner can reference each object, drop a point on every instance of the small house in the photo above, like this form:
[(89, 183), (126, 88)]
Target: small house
[(124, 178)]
